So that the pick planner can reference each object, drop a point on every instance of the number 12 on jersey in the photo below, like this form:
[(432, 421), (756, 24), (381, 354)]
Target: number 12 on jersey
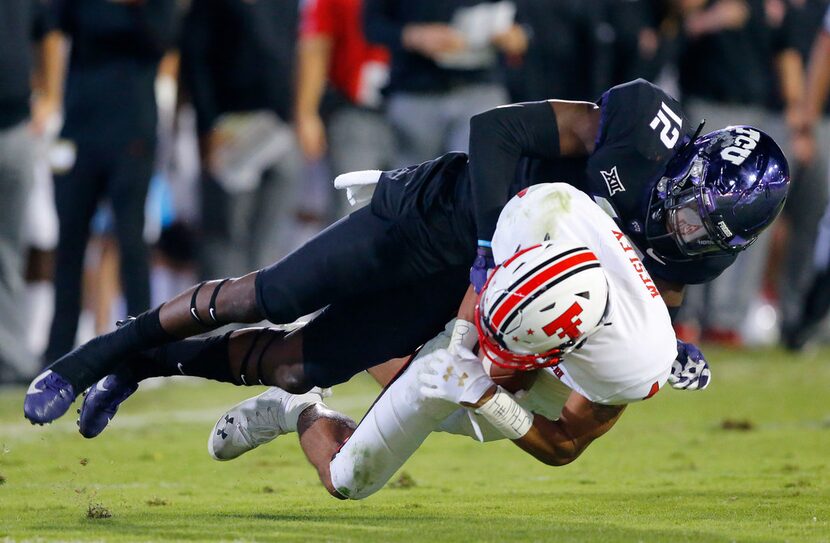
[(671, 124)]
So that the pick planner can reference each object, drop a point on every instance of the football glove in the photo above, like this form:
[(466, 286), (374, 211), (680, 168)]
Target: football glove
[(481, 267), (457, 378), (464, 334), (690, 371)]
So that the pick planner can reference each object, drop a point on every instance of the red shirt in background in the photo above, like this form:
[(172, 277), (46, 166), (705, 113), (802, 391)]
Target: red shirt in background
[(358, 69)]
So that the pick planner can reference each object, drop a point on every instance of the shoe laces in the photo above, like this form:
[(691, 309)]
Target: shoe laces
[(56, 384), (264, 425)]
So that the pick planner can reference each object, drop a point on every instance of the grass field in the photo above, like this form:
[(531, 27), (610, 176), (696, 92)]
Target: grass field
[(746, 460)]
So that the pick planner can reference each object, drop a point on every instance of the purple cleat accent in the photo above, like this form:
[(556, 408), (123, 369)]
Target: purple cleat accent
[(49, 396), (102, 401)]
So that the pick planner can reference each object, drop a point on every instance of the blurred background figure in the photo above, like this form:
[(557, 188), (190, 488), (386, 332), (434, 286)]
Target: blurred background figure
[(107, 145), (812, 145), (25, 28), (571, 52), (445, 67), (237, 69), (340, 77), (741, 65)]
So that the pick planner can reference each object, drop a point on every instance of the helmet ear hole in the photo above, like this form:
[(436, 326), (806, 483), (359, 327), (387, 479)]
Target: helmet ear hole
[(540, 304)]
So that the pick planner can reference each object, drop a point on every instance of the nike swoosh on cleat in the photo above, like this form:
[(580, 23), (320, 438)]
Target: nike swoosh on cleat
[(32, 387), (100, 386)]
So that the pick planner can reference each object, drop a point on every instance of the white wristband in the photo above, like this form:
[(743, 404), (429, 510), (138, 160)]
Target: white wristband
[(464, 333), (506, 415)]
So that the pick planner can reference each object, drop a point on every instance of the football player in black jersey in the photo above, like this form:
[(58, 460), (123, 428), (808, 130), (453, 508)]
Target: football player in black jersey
[(389, 276)]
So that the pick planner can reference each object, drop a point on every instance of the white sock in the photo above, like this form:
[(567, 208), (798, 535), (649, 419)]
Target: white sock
[(297, 403)]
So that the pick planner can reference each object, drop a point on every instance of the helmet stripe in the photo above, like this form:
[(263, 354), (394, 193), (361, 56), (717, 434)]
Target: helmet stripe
[(541, 291), (517, 293), (530, 272)]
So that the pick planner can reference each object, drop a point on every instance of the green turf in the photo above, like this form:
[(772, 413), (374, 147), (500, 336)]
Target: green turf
[(667, 472)]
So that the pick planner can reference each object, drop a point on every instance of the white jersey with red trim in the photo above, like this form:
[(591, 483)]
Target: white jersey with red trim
[(629, 358)]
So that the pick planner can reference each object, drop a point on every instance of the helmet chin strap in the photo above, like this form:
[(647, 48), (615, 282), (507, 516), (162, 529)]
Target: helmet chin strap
[(696, 134)]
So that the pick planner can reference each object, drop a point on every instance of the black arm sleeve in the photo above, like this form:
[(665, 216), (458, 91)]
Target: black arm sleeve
[(498, 139)]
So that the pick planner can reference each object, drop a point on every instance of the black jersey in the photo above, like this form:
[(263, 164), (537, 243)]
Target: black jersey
[(641, 128)]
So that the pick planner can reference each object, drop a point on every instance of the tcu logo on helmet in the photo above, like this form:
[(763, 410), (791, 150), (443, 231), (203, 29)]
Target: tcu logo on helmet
[(742, 145), (568, 322)]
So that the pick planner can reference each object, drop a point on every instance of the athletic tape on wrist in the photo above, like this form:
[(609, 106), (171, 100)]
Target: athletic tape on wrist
[(464, 333), (506, 415)]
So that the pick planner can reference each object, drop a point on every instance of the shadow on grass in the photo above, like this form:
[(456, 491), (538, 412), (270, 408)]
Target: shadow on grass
[(601, 516)]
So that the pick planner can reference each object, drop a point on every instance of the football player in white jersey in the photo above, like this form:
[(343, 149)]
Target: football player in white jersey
[(569, 300)]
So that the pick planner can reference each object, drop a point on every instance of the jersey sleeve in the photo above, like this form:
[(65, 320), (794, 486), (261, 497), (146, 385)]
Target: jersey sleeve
[(640, 128), (499, 138), (317, 18), (643, 116)]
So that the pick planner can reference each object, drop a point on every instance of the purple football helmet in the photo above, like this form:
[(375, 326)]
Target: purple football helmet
[(717, 195)]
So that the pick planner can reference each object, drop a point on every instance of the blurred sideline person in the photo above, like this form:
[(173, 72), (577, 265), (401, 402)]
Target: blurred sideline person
[(689, 204), (798, 231), (237, 61), (332, 50), (107, 144), (570, 57), (444, 67), (741, 66), (815, 303), (26, 32)]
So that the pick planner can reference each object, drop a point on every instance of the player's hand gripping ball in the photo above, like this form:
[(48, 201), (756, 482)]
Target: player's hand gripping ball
[(690, 371), (513, 381), (455, 377)]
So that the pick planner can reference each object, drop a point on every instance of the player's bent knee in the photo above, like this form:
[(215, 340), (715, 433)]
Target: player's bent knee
[(292, 379), (351, 481)]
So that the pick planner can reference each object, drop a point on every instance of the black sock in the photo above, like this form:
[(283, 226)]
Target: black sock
[(201, 357), (101, 356)]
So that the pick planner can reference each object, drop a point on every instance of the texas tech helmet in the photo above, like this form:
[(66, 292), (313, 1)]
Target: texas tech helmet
[(539, 304)]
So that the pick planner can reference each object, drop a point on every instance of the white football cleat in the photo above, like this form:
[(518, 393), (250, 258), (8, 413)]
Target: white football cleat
[(258, 420)]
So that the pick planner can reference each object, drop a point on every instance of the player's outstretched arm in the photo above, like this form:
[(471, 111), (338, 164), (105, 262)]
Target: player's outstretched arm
[(559, 442), (500, 137), (459, 378)]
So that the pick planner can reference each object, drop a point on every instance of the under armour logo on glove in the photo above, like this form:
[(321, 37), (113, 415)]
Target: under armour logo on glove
[(690, 371), (481, 266), (455, 377)]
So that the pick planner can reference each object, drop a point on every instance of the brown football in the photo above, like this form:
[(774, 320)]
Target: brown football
[(510, 380)]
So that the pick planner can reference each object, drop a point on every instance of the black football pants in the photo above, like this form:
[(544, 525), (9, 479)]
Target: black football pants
[(388, 286), (121, 175)]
